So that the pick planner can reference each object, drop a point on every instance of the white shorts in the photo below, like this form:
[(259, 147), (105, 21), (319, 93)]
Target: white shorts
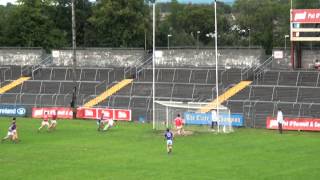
[(179, 127), (45, 123), (10, 133), (169, 142), (110, 123), (53, 122)]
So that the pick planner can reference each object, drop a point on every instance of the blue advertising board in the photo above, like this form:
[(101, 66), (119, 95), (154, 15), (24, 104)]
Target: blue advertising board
[(197, 118), (12, 110), (193, 118)]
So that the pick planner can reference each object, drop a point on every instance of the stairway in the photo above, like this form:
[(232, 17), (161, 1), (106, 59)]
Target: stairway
[(225, 96), (13, 84), (109, 92)]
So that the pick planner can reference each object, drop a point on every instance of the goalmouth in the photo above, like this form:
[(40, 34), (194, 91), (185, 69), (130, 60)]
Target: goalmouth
[(194, 120)]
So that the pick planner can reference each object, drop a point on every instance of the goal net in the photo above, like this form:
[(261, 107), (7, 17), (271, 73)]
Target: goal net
[(194, 120)]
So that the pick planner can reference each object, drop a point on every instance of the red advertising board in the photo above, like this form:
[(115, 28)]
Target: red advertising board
[(122, 114), (305, 16), (304, 124), (85, 113), (64, 113), (96, 113)]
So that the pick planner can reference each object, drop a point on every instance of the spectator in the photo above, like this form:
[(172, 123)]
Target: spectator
[(280, 120), (317, 64), (214, 120)]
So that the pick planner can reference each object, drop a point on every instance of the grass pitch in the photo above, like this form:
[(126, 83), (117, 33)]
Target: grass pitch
[(133, 151)]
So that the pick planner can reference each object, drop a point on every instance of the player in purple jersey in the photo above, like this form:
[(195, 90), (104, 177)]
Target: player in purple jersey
[(169, 137), (12, 132)]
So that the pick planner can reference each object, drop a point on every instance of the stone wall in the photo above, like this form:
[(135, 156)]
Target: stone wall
[(16, 56), (206, 57), (104, 57), (94, 57)]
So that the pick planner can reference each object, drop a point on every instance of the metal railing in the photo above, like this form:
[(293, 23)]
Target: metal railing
[(30, 70), (259, 70), (139, 65), (290, 109)]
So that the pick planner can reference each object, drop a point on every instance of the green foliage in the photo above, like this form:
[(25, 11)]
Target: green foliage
[(127, 23), (119, 23), (185, 20), (133, 151), (306, 4), (267, 20), (30, 26)]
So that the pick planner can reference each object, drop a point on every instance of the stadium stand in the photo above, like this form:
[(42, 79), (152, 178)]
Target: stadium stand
[(295, 92), (51, 84)]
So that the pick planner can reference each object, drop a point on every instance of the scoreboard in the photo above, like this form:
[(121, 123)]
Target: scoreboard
[(305, 24)]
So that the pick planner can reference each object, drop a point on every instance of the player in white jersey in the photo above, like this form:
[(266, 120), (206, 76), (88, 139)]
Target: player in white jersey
[(109, 123)]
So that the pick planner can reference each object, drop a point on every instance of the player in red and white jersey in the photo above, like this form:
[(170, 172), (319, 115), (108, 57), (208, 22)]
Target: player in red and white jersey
[(179, 124), (45, 121), (107, 122), (53, 121)]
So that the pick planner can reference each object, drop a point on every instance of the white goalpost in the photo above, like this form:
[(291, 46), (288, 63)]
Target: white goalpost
[(194, 120)]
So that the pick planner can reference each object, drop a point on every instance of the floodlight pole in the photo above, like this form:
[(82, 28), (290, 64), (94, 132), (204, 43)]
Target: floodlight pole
[(153, 61), (169, 35), (216, 53), (249, 38), (198, 32), (74, 58), (285, 45)]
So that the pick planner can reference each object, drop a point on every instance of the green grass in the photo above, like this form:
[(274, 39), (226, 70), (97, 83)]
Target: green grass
[(133, 151)]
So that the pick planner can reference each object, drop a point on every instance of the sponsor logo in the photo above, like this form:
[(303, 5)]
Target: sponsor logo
[(21, 111), (61, 112), (300, 16), (38, 112), (94, 113), (88, 112), (122, 115), (106, 113), (207, 118), (273, 123), (306, 124), (10, 110)]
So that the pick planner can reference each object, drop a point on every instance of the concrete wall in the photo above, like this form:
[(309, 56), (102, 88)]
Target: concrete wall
[(93, 57), (284, 62), (16, 56), (206, 57), (308, 58), (103, 57)]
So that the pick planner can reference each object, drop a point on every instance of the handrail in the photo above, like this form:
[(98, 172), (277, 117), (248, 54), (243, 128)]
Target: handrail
[(127, 69), (138, 65), (95, 87), (247, 70), (266, 62), (27, 70)]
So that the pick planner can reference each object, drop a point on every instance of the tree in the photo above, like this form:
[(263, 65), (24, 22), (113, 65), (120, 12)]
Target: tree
[(30, 27), (5, 12), (185, 20), (306, 4), (60, 12), (267, 20), (119, 23)]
